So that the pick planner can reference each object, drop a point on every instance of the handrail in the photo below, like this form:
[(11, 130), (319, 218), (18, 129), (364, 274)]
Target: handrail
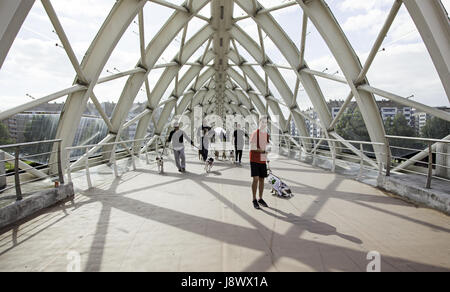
[(29, 143), (390, 159), (333, 140), (104, 144), (91, 149), (17, 161), (418, 139)]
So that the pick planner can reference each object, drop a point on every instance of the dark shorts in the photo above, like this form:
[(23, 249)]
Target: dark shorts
[(258, 169)]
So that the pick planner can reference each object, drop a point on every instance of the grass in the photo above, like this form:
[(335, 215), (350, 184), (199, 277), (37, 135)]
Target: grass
[(10, 166)]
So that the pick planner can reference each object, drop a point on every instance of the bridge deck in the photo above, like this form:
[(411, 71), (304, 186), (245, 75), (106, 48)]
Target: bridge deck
[(197, 222)]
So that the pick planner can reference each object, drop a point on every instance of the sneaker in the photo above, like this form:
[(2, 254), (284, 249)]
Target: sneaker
[(179, 170), (256, 205), (262, 203)]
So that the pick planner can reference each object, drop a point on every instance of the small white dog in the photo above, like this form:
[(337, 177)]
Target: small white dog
[(160, 163), (209, 164), (279, 188), (232, 156)]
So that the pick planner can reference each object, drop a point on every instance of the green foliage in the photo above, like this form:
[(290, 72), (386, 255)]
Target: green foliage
[(436, 128), (352, 127), (5, 138), (399, 127)]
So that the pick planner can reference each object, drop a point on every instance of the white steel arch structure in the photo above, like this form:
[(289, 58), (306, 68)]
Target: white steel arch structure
[(219, 80)]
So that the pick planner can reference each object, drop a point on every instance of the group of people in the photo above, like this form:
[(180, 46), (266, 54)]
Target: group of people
[(259, 141)]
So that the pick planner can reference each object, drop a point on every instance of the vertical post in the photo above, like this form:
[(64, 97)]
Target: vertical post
[(69, 171), (289, 146), (314, 156), (2, 170), (88, 175), (333, 154), (300, 152), (132, 158), (60, 172), (113, 157), (430, 165), (361, 161), (380, 169), (17, 175), (388, 159)]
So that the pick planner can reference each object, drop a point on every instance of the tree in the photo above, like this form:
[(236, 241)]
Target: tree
[(388, 125), (436, 128), (352, 127), (5, 138), (399, 127)]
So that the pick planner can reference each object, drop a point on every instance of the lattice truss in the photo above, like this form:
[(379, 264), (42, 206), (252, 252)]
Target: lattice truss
[(220, 80)]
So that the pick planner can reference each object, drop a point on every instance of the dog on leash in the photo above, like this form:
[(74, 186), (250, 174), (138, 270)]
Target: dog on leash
[(216, 154), (278, 187), (160, 163), (224, 155), (200, 156), (209, 164), (232, 156)]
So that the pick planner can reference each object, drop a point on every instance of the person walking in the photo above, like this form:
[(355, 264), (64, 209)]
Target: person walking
[(176, 137), (204, 135), (238, 140), (258, 161)]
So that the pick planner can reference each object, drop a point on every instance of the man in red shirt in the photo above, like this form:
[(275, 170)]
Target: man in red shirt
[(258, 159)]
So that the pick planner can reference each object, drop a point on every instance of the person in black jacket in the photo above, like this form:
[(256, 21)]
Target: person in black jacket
[(176, 138), (238, 138), (204, 134)]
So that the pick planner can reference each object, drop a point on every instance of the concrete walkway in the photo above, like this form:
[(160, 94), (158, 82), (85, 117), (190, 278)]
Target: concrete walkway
[(144, 221)]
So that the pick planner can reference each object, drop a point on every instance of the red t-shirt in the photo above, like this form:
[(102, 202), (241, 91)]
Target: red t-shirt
[(261, 144)]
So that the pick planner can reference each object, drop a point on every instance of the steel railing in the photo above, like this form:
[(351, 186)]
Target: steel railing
[(316, 149), (16, 159), (106, 153), (391, 162), (362, 152), (429, 165)]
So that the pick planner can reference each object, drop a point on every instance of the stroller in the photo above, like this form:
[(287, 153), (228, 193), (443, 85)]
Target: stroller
[(279, 188)]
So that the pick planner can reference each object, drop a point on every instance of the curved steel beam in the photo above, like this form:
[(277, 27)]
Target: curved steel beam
[(273, 73), (258, 82), (12, 16), (169, 75), (433, 24), (292, 55), (323, 19), (153, 52), (120, 17)]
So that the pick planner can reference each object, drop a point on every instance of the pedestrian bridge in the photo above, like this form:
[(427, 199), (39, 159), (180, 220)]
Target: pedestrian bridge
[(145, 221), (229, 61)]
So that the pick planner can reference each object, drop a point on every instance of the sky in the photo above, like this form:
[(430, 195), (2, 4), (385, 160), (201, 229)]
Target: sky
[(37, 67)]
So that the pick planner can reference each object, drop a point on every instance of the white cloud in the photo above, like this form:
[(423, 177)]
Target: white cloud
[(367, 5), (370, 21)]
